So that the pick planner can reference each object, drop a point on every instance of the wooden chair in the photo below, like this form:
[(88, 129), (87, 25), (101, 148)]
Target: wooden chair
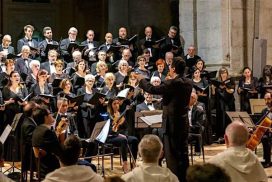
[(38, 153)]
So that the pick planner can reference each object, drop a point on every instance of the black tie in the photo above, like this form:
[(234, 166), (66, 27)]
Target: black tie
[(29, 40), (149, 104)]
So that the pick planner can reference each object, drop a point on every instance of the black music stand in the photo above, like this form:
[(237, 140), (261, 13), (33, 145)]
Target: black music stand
[(100, 134), (242, 117), (13, 174)]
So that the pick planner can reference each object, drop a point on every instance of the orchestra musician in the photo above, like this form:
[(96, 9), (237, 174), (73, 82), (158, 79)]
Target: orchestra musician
[(118, 132), (266, 139), (47, 140)]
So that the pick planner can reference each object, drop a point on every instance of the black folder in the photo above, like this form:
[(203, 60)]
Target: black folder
[(56, 82), (77, 99), (95, 98), (50, 47)]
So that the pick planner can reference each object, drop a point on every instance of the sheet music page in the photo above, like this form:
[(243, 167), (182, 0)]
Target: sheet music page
[(5, 134), (153, 119), (104, 132)]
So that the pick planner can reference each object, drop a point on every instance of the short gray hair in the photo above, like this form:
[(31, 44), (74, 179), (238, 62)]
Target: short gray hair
[(150, 148), (34, 62), (237, 133)]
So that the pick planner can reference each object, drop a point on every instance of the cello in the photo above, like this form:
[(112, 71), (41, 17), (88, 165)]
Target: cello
[(255, 138)]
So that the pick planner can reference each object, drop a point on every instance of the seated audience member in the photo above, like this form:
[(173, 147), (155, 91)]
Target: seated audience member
[(239, 162), (3, 178), (69, 170), (150, 149), (206, 173)]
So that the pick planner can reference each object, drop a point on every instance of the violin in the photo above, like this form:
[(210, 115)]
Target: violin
[(119, 119), (62, 126), (256, 137)]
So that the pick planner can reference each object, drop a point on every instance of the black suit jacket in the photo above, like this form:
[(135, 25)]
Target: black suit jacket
[(48, 89), (166, 46), (197, 119), (27, 129), (42, 46), (144, 107), (21, 67), (46, 66), (176, 95), (46, 139), (24, 41), (10, 49), (64, 44)]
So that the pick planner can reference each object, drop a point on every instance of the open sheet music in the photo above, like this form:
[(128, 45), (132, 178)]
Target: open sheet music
[(5, 133), (153, 119), (102, 137)]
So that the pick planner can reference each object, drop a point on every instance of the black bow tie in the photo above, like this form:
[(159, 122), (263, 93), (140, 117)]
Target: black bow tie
[(149, 104), (51, 63), (90, 42), (29, 40)]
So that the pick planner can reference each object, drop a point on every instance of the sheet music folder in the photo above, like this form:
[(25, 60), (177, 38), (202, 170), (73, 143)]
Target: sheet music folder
[(142, 119), (241, 116)]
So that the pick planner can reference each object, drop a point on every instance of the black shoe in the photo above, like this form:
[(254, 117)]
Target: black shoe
[(266, 164)]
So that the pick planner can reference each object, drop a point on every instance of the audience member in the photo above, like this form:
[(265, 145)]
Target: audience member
[(239, 162), (206, 173), (69, 170), (150, 149)]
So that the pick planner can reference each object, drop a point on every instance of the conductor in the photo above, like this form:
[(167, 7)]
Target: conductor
[(176, 95)]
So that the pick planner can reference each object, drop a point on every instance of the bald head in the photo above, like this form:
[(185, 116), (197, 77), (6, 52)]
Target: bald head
[(236, 134)]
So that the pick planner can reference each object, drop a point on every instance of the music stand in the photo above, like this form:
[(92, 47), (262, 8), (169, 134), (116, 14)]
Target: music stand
[(13, 126), (257, 105), (100, 134), (242, 117), (140, 122)]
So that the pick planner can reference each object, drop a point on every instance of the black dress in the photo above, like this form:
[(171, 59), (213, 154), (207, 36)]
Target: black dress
[(12, 144), (224, 102), (245, 94)]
